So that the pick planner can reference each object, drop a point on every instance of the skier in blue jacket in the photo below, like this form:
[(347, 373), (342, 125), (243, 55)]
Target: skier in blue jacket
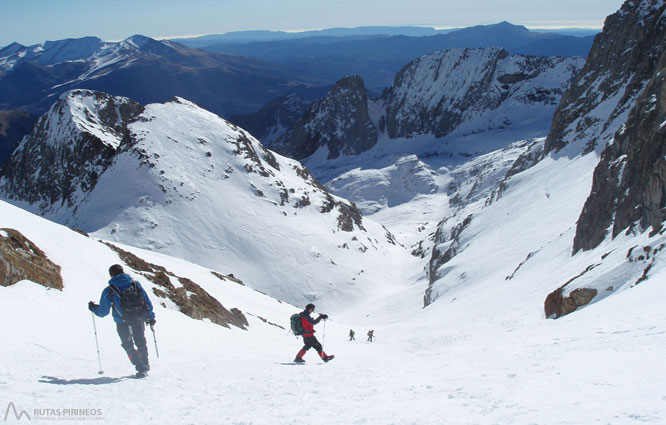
[(131, 308)]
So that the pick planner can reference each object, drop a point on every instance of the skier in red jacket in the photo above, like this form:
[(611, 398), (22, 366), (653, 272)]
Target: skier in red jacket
[(309, 339)]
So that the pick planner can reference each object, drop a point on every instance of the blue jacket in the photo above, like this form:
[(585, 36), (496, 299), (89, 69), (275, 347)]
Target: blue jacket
[(122, 282)]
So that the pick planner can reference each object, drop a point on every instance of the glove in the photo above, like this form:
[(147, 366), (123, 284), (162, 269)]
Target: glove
[(92, 305), (151, 322), (324, 316)]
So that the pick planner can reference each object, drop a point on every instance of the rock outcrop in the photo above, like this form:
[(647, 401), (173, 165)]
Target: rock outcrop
[(629, 186), (191, 299), (446, 246), (623, 58), (340, 121), (21, 259), (558, 305), (461, 91), (69, 148), (483, 88)]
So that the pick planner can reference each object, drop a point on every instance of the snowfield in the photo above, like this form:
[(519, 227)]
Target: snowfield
[(481, 353)]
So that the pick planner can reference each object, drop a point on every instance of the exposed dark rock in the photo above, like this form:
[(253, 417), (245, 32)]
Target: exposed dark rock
[(225, 277), (21, 259), (629, 184), (71, 164), (340, 121), (190, 298), (439, 257), (267, 321), (436, 93), (623, 57), (557, 305), (522, 263), (245, 149), (349, 216), (527, 160)]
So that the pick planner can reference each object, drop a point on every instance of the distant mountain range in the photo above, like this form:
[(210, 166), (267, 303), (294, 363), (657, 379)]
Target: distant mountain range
[(240, 72), (377, 57), (33, 77), (411, 31)]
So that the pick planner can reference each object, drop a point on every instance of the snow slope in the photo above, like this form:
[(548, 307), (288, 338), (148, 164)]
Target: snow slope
[(182, 181), (487, 356)]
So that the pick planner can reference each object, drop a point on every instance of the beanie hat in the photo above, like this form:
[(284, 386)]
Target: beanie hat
[(115, 270)]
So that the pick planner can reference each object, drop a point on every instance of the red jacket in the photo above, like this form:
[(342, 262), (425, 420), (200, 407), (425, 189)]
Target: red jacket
[(308, 324)]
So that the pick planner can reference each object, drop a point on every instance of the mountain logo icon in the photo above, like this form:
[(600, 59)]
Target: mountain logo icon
[(17, 415)]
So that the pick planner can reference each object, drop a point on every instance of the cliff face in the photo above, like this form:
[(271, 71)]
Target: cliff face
[(69, 148), (629, 186), (623, 58), (455, 91), (481, 89), (339, 121)]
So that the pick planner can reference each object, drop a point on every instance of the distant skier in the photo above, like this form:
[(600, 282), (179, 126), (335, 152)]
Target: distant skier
[(131, 308), (371, 335), (310, 341), (351, 335)]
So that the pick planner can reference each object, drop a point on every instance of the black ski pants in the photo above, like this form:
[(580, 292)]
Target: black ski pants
[(312, 342), (132, 334)]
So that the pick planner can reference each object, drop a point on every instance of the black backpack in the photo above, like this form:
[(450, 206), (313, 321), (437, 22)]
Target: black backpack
[(296, 325), (132, 303)]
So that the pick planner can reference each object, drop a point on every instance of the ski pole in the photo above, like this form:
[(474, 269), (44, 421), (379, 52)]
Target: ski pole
[(99, 359), (155, 340)]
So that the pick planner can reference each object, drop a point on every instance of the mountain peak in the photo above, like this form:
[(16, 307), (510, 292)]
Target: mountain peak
[(138, 40), (508, 25), (11, 49), (339, 122)]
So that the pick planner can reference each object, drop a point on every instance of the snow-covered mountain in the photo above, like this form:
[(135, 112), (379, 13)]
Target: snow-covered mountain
[(454, 93), (177, 179), (475, 90), (460, 312), (102, 54), (147, 70), (550, 205), (340, 123)]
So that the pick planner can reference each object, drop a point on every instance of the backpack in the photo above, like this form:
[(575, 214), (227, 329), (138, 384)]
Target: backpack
[(132, 303), (296, 325)]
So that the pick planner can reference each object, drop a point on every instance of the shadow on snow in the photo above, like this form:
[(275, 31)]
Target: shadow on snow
[(85, 381)]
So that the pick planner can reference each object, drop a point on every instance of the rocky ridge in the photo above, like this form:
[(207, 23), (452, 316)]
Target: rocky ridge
[(177, 179), (453, 92), (629, 185), (340, 122)]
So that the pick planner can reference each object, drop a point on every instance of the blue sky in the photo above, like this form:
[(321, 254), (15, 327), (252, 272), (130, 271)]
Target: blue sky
[(35, 21)]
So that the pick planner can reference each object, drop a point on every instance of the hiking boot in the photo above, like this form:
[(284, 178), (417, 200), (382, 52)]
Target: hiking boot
[(328, 358), (141, 374), (299, 360)]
